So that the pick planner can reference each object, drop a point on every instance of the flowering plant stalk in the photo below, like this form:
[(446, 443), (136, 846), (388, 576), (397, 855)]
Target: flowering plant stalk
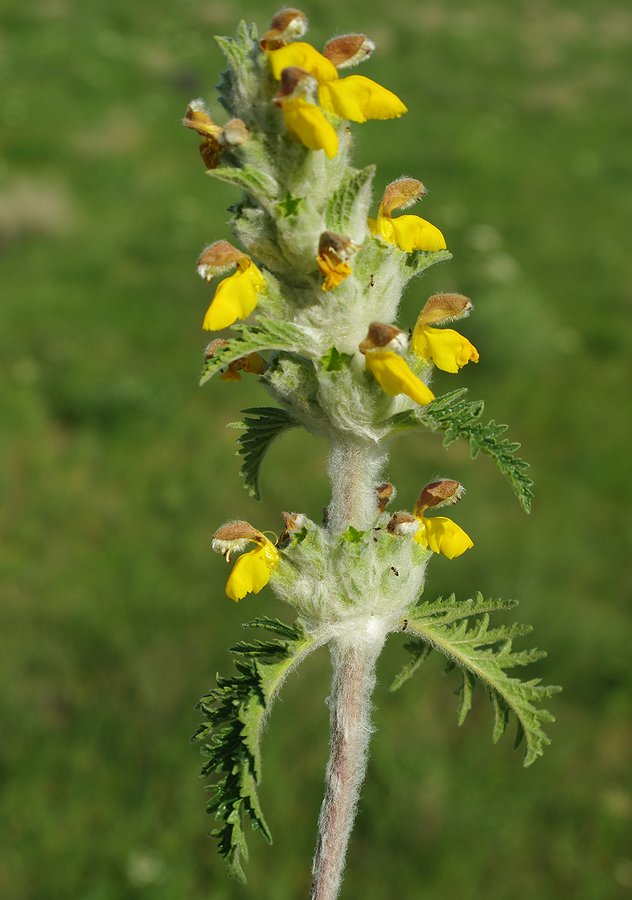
[(319, 282)]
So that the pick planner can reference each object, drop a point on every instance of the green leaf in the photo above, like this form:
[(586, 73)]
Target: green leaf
[(352, 195), (335, 361), (261, 424), (461, 418), (419, 260), (252, 181), (230, 734), (266, 334), (460, 631), (419, 651)]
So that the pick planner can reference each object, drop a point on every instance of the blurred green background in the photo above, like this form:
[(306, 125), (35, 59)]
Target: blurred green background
[(115, 467)]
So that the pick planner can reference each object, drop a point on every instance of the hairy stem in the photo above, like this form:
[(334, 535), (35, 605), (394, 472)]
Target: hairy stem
[(350, 706), (354, 469)]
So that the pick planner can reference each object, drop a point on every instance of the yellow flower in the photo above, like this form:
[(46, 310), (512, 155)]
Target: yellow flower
[(252, 570), (442, 535), (394, 376), (235, 297), (407, 232), (448, 349), (307, 123), (333, 270), (355, 98)]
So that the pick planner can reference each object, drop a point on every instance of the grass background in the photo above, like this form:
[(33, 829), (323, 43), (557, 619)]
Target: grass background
[(115, 468)]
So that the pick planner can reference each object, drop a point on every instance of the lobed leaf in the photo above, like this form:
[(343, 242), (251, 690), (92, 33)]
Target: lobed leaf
[(461, 418), (261, 424), (483, 654), (230, 734)]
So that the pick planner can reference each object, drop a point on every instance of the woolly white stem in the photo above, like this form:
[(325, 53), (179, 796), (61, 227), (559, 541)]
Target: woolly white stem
[(350, 706), (354, 469)]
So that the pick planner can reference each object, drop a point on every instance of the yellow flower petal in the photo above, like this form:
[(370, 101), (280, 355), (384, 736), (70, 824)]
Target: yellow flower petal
[(357, 99), (410, 233), (448, 349), (442, 535), (305, 57), (307, 123), (333, 271), (394, 376), (235, 297), (252, 571)]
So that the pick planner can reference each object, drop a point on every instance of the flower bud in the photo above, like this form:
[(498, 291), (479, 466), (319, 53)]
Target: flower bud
[(385, 493), (348, 50), (287, 25), (336, 244), (234, 537), (401, 194), (381, 335), (445, 308), (293, 523), (402, 523), (234, 133), (217, 258), (444, 492)]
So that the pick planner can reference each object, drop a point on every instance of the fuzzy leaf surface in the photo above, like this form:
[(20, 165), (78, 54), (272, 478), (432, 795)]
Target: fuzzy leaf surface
[(230, 734), (461, 418), (460, 631), (261, 424), (252, 181), (353, 191), (266, 334)]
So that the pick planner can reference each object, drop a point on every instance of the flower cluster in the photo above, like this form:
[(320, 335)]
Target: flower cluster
[(333, 273)]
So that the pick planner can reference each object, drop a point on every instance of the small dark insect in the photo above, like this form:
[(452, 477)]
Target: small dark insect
[(394, 571), (372, 281), (405, 625)]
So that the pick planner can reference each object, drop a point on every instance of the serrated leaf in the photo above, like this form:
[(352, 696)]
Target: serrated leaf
[(460, 418), (460, 631), (266, 334), (419, 260), (252, 181), (262, 425), (353, 535), (234, 712), (419, 651), (350, 201)]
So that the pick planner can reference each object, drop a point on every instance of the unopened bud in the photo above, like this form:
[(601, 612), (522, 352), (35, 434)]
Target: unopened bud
[(287, 25), (385, 493), (234, 133), (444, 492), (401, 194), (402, 523), (445, 308), (381, 335), (348, 50), (217, 258), (234, 537)]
